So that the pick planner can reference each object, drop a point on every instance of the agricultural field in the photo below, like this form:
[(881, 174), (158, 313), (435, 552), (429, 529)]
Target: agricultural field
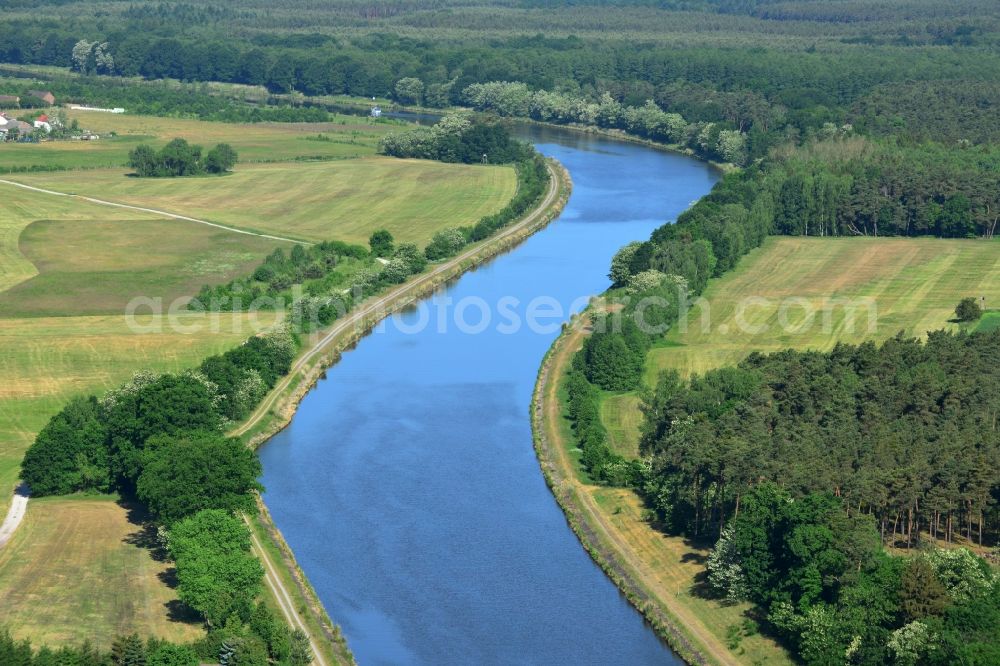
[(65, 551), (913, 286), (344, 137), (69, 268), (98, 266), (342, 200), (799, 293)]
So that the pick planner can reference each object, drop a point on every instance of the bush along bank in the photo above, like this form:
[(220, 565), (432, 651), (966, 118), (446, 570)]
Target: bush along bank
[(322, 283)]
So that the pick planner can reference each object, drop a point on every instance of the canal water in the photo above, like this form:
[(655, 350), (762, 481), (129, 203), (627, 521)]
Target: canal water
[(407, 484)]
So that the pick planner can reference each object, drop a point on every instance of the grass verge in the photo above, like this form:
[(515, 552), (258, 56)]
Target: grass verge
[(656, 573)]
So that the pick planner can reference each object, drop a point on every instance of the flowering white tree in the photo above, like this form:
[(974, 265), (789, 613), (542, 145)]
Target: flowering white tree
[(911, 642), (81, 54), (725, 570)]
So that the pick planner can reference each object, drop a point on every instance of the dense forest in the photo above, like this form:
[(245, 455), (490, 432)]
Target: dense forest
[(806, 463), (905, 432)]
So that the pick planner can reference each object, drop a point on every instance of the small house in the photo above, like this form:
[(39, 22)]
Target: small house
[(376, 111), (43, 95), (10, 100), (22, 128)]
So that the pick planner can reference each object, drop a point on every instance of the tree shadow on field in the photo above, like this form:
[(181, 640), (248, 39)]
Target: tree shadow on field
[(178, 611), (145, 534)]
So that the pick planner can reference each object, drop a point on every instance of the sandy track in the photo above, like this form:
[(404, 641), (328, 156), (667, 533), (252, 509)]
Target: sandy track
[(603, 536), (280, 592), (18, 507)]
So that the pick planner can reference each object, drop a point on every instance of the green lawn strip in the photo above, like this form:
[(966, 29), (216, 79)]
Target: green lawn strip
[(989, 322)]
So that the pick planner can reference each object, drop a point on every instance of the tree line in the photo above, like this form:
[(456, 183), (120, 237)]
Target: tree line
[(457, 138), (159, 440), (715, 140), (159, 98)]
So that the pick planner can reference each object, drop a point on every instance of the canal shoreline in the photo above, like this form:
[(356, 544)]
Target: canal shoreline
[(277, 410), (583, 517)]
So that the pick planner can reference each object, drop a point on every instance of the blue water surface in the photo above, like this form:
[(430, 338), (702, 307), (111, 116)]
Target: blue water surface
[(407, 484)]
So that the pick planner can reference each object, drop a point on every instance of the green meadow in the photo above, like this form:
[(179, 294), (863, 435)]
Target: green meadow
[(344, 137), (312, 201)]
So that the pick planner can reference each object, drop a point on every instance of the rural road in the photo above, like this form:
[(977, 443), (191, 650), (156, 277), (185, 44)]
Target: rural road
[(623, 555), (18, 507), (357, 317), (154, 211), (282, 597)]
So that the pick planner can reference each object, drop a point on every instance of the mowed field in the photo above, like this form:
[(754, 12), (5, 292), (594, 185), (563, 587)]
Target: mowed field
[(62, 261), (344, 200), (99, 266), (802, 293), (80, 569), (344, 137)]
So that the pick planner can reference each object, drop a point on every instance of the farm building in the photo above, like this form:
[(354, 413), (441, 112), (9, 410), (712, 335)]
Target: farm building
[(8, 125), (43, 95)]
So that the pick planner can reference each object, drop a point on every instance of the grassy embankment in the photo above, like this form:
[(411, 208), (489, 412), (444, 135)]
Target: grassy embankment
[(914, 285), (67, 268)]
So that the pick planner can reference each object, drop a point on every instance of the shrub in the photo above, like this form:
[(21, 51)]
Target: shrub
[(968, 309), (445, 243)]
